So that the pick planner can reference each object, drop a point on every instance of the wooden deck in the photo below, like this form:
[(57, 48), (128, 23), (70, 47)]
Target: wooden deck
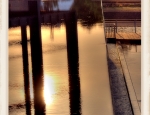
[(112, 34), (128, 36), (123, 37)]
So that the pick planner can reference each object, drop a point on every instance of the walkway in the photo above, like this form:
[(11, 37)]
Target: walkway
[(130, 57), (124, 57), (120, 96)]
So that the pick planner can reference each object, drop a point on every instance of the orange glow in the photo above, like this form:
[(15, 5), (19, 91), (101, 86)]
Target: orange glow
[(48, 89)]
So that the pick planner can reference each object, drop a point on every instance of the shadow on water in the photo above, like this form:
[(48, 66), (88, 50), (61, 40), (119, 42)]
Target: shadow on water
[(132, 42), (123, 41)]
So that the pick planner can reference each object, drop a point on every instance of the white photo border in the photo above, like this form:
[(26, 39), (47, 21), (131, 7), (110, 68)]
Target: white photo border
[(4, 57), (145, 57)]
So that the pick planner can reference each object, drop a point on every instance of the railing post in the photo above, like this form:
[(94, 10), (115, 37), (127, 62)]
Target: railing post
[(135, 25), (116, 26), (109, 30), (114, 32)]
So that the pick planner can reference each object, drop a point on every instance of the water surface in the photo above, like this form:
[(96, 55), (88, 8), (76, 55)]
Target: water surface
[(74, 74)]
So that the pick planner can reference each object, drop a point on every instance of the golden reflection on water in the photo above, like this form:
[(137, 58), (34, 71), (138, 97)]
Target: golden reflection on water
[(15, 33), (57, 35), (56, 88), (49, 89)]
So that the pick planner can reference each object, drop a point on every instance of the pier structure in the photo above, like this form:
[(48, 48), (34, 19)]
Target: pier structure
[(122, 22)]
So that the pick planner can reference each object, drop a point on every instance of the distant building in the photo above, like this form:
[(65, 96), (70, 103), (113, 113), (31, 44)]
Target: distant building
[(18, 5), (22, 5)]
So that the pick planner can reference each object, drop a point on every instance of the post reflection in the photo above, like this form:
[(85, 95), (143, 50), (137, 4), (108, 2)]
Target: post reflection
[(73, 63)]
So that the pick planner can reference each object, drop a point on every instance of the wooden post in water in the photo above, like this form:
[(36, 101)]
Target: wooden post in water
[(114, 31), (73, 63), (25, 66), (37, 58)]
